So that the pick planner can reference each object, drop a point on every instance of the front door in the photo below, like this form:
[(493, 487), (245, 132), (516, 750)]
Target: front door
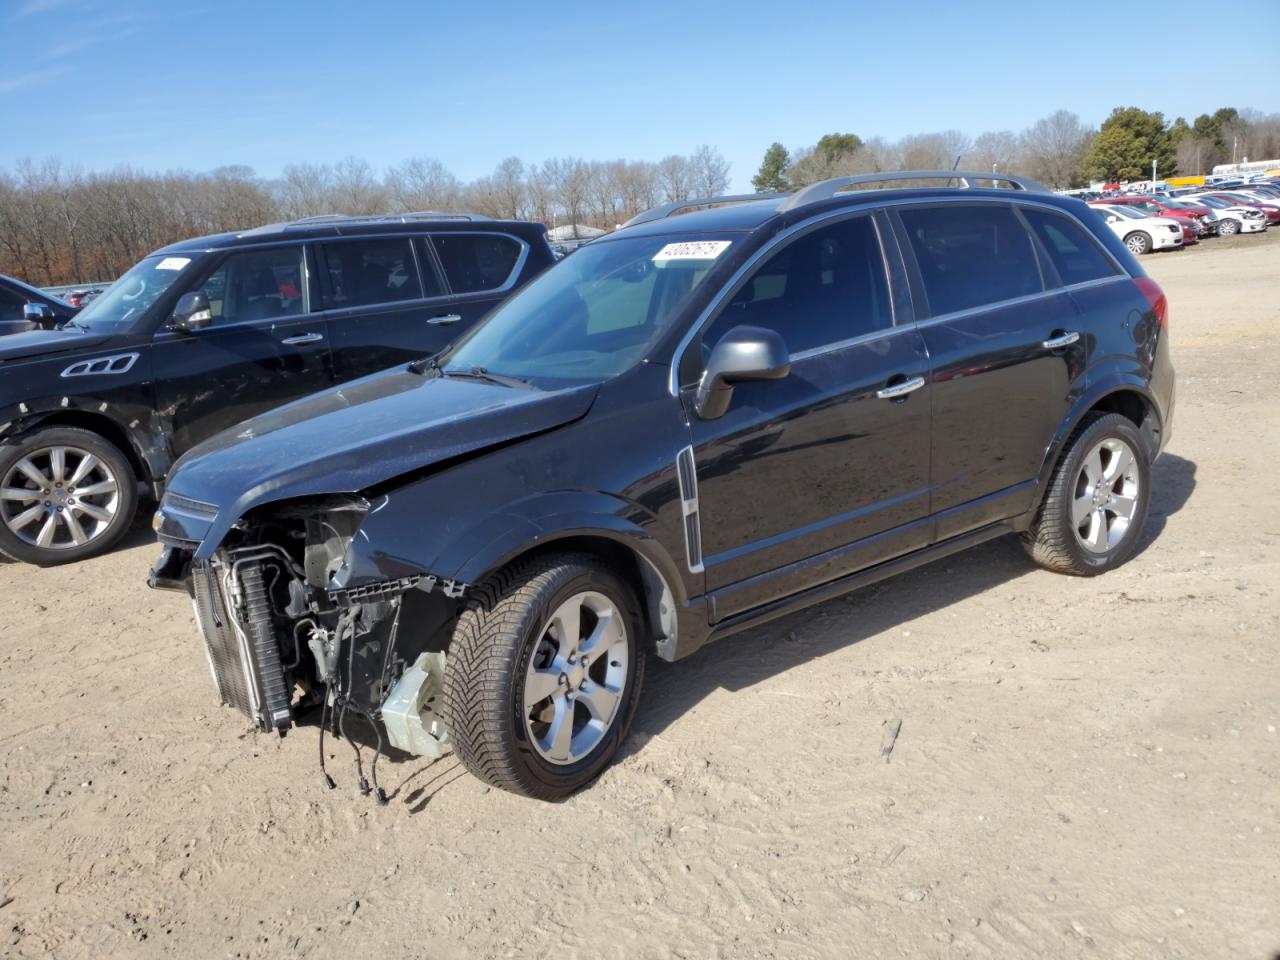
[(264, 347), (801, 468), (1005, 353)]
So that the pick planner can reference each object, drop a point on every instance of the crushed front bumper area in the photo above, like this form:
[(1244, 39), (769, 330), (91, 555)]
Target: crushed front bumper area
[(277, 646)]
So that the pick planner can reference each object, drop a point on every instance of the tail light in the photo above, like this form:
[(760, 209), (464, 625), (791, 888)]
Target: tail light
[(1155, 296)]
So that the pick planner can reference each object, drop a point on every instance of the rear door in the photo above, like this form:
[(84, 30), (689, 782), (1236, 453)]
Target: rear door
[(384, 301), (481, 269), (264, 348), (800, 468), (1006, 356)]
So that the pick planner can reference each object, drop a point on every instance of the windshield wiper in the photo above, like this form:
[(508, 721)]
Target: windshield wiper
[(480, 373)]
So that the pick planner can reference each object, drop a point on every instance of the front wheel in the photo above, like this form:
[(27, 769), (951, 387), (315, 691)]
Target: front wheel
[(1227, 228), (1138, 243), (543, 675), (65, 494), (1096, 504)]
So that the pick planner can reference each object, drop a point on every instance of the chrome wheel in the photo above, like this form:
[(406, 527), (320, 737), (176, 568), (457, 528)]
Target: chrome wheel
[(59, 497), (1228, 227), (1106, 496), (1137, 243), (576, 677)]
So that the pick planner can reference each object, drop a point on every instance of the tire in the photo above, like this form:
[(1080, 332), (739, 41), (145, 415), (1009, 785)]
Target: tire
[(1100, 542), (1227, 228), (97, 519), (1138, 242), (502, 654)]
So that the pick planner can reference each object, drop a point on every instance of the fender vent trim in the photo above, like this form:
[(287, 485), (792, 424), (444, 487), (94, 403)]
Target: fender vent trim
[(687, 474)]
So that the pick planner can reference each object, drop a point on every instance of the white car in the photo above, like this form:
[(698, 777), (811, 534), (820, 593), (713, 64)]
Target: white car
[(1140, 233), (1232, 218)]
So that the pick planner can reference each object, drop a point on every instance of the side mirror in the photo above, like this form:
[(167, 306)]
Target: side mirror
[(743, 354), (192, 312), (40, 314)]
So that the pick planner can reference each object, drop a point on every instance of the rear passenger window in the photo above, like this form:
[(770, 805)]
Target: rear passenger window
[(473, 262), (971, 255), (827, 286), (366, 272), (1075, 254)]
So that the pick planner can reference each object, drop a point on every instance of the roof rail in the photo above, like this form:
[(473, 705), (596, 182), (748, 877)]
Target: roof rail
[(431, 215), (321, 218), (670, 209), (826, 189)]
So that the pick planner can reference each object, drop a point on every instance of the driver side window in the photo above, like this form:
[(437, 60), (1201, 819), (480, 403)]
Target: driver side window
[(826, 286), (257, 285)]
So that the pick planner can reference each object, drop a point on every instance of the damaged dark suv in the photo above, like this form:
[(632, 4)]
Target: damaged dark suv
[(696, 424)]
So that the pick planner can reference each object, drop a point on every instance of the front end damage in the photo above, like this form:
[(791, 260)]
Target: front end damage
[(284, 643)]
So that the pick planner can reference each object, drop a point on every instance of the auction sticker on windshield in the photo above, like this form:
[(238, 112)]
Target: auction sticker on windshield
[(173, 263), (692, 250)]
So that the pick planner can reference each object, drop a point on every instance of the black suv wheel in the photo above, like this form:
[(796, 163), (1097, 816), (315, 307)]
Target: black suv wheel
[(65, 494), (1096, 505), (543, 675)]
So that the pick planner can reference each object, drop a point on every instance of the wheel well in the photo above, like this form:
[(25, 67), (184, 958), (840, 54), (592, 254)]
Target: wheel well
[(105, 427), (1135, 407), (657, 601)]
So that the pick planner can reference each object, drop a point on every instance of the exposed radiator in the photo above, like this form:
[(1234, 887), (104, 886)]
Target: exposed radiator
[(246, 667)]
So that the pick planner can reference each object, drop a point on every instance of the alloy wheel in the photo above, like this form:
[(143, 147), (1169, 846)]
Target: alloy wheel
[(1106, 496), (576, 677), (59, 497)]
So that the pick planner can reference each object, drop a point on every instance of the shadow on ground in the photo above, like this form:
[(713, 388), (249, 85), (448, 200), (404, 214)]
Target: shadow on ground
[(745, 659)]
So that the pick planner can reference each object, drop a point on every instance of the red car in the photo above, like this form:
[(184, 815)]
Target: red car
[(1200, 220), (1272, 210)]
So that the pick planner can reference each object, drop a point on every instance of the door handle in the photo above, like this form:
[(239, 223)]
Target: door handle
[(445, 319), (303, 338), (1062, 340), (897, 390)]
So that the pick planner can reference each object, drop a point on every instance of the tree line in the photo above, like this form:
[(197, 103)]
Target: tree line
[(1059, 150), (60, 224)]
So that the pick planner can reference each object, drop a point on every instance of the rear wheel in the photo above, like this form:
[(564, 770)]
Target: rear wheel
[(1228, 227), (543, 675), (65, 494), (1138, 243), (1096, 505)]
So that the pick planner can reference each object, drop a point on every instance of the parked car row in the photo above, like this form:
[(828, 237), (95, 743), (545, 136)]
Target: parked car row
[(1149, 222), (472, 532)]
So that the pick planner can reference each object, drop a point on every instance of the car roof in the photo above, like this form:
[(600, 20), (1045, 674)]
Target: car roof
[(323, 228), (745, 214)]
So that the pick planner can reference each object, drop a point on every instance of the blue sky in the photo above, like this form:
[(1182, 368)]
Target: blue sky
[(163, 85)]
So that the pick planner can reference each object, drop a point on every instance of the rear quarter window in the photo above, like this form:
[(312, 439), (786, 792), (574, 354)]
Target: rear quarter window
[(971, 255), (1075, 254), (475, 262)]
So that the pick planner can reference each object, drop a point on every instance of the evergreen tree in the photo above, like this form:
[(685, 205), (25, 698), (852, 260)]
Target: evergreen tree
[(772, 176)]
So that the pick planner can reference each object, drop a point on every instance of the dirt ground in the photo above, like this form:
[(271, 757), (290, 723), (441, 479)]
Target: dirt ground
[(1086, 768)]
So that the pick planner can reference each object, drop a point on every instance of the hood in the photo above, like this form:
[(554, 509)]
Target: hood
[(40, 343), (348, 439)]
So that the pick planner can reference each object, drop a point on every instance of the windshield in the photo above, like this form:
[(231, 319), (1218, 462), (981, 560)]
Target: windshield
[(1213, 202), (591, 316), (1129, 214), (130, 296)]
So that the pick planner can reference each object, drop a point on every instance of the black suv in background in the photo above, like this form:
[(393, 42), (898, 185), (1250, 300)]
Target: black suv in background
[(208, 332), (23, 307), (687, 428)]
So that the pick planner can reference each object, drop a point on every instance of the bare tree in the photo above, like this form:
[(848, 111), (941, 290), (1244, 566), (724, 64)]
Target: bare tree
[(1054, 148), (709, 172), (422, 183), (675, 178)]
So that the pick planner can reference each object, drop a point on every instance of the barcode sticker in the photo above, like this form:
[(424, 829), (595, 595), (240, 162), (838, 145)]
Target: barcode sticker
[(692, 250)]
